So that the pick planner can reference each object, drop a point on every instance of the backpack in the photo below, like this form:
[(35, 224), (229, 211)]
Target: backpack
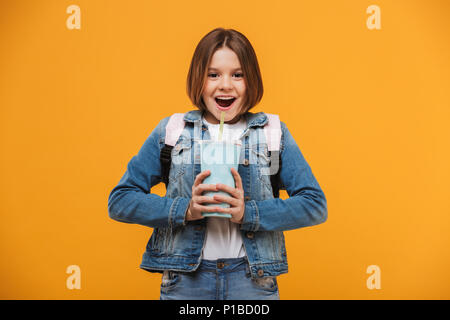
[(272, 131)]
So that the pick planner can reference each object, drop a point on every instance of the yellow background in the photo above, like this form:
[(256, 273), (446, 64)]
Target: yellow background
[(369, 109)]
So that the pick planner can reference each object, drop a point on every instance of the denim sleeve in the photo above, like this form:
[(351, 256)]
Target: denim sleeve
[(306, 205), (131, 201)]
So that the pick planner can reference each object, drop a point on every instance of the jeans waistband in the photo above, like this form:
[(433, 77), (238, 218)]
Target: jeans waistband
[(224, 265)]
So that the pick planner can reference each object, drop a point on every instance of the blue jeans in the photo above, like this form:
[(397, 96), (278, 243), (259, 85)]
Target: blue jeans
[(222, 279)]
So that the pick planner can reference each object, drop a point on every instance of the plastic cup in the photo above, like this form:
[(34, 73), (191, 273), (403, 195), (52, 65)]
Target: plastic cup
[(219, 157)]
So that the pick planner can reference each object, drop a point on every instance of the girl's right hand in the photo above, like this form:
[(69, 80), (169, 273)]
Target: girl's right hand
[(196, 208)]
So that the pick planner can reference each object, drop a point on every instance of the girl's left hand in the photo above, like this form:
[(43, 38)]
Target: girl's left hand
[(236, 201)]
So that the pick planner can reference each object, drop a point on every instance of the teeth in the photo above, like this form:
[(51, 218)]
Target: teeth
[(225, 98)]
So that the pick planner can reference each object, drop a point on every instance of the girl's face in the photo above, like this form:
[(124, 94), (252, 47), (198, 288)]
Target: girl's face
[(225, 79)]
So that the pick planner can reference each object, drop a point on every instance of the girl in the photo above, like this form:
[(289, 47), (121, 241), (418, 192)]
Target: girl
[(214, 257)]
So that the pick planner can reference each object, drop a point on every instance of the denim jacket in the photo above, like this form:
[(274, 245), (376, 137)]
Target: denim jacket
[(176, 244)]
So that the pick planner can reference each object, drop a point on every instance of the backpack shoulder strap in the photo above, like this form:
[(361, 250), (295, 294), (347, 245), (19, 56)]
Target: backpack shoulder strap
[(174, 127), (272, 132)]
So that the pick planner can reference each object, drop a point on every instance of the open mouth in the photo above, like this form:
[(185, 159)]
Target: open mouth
[(224, 104)]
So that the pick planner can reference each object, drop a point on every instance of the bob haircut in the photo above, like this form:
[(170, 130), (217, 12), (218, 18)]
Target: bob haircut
[(208, 45)]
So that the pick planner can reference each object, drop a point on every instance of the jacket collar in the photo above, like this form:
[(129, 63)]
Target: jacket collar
[(253, 119)]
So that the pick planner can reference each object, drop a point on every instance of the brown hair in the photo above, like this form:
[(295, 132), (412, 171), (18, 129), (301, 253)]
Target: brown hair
[(208, 45)]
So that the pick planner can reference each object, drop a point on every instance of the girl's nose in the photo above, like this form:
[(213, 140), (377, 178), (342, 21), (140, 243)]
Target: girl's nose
[(225, 83)]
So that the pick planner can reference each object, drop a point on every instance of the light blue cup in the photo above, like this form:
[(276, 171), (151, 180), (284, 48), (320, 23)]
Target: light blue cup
[(219, 157)]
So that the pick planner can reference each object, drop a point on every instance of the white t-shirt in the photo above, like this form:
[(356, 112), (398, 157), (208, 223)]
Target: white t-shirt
[(223, 237)]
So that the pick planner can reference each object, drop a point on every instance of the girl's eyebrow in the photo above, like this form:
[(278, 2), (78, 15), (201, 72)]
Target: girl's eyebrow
[(218, 69)]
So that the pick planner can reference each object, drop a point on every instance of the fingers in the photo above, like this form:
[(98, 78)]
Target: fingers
[(200, 177), (235, 200), (236, 215), (196, 209), (197, 191), (198, 188), (232, 201), (200, 208), (227, 189), (237, 179), (205, 199), (234, 192)]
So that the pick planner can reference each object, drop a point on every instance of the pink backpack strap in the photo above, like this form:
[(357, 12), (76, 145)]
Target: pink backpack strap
[(174, 128), (272, 131)]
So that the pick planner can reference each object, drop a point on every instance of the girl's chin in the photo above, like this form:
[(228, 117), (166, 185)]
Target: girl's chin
[(229, 117), (215, 117), (226, 118)]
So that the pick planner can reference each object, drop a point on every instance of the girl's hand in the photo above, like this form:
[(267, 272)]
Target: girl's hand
[(236, 201), (195, 205)]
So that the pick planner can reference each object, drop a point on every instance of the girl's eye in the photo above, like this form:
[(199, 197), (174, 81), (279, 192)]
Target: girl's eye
[(240, 75)]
